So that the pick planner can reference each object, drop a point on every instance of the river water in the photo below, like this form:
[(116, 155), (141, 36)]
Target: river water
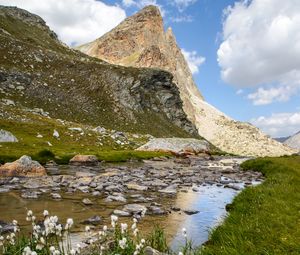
[(209, 199)]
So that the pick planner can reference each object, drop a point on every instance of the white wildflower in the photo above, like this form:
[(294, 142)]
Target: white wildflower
[(122, 243), (72, 252), (124, 227), (135, 232), (105, 228), (180, 253), (26, 251), (69, 224), (45, 213), (114, 220)]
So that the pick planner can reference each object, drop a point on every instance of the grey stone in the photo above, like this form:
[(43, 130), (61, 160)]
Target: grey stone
[(6, 136)]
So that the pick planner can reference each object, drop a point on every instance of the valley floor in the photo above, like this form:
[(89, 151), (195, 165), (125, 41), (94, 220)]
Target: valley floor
[(264, 219)]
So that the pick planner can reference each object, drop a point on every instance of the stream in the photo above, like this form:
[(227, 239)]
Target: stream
[(187, 193)]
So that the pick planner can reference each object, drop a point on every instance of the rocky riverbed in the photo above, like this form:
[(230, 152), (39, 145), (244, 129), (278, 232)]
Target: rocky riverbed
[(168, 191)]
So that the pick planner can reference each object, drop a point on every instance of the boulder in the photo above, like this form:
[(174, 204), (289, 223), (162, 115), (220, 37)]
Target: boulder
[(117, 198), (177, 145), (135, 186), (121, 213), (84, 160), (190, 212), (135, 208), (95, 220), (7, 137), (87, 201), (6, 227), (24, 166)]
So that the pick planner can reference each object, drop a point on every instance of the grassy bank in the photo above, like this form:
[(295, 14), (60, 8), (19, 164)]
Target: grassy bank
[(263, 219), (44, 156)]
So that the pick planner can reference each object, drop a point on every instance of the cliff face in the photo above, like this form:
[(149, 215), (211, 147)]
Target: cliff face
[(38, 71), (141, 41)]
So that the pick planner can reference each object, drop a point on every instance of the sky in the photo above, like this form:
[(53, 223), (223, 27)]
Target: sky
[(244, 55)]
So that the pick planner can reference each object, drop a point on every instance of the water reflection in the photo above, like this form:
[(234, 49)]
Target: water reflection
[(210, 201)]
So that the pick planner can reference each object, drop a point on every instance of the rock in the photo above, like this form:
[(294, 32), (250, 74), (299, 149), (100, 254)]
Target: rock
[(171, 190), (135, 208), (177, 145), (233, 186), (195, 189), (84, 189), (84, 160), (156, 210), (175, 209), (95, 220), (134, 186), (96, 193), (87, 201), (190, 212), (24, 166), (121, 213), (56, 196), (6, 227), (8, 102), (150, 251), (75, 129), (55, 134), (36, 183), (4, 190), (117, 198), (7, 137), (30, 195)]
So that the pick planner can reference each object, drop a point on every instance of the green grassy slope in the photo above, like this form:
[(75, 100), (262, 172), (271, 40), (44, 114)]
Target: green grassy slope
[(263, 219)]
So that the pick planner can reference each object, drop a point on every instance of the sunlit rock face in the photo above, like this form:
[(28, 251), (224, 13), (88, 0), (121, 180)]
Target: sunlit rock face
[(141, 41)]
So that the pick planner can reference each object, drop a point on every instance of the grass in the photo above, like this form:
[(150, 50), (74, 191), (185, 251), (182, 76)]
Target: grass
[(264, 219), (69, 144)]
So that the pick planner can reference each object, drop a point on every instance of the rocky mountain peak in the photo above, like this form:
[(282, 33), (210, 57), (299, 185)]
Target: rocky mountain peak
[(141, 41)]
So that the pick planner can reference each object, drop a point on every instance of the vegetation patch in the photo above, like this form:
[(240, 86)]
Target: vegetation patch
[(264, 219)]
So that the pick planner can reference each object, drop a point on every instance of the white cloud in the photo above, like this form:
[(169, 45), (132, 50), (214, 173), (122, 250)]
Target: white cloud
[(239, 92), (75, 21), (183, 18), (279, 124), (194, 61), (183, 4), (128, 3), (261, 45), (266, 96)]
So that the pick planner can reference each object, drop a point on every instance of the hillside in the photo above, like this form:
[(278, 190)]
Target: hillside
[(38, 71), (141, 41)]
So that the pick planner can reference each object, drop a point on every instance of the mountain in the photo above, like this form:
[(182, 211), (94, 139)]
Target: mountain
[(141, 41), (293, 141), (38, 71), (281, 139)]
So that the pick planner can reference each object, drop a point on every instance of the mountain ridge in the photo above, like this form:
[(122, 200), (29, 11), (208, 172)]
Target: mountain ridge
[(141, 41)]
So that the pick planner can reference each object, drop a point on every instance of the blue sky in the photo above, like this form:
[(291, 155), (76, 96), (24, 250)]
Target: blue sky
[(257, 77)]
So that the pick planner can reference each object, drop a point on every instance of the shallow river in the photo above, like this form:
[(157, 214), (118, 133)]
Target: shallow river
[(209, 198)]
